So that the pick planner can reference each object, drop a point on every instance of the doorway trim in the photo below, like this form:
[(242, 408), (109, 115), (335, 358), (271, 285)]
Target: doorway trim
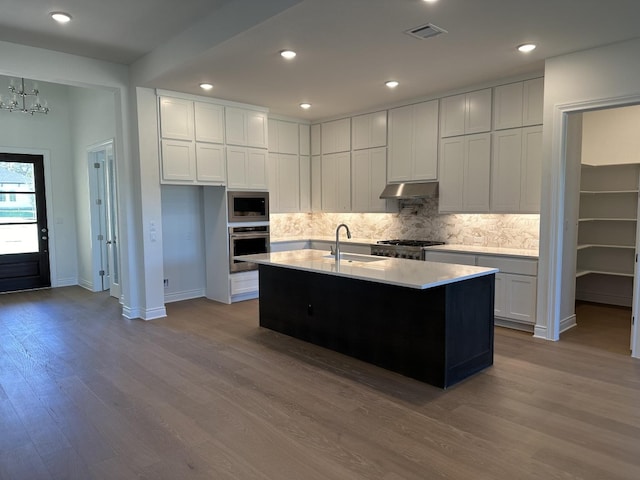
[(556, 213), (46, 157)]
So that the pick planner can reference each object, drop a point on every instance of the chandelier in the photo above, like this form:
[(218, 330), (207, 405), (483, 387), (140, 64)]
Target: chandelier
[(19, 101)]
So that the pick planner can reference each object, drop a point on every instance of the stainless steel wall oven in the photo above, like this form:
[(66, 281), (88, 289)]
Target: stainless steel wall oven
[(247, 241)]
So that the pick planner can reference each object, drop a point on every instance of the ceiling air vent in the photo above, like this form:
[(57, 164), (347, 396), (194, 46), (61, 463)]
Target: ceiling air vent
[(425, 31)]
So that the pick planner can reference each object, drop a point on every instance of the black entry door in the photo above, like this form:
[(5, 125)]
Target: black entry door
[(24, 235)]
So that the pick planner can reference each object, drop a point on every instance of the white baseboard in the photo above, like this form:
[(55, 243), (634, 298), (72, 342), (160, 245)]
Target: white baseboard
[(186, 295), (131, 313), (540, 331), (154, 313), (513, 324), (622, 301), (244, 296), (64, 282), (87, 285), (567, 323)]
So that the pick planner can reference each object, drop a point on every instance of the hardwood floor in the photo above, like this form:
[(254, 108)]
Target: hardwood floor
[(206, 393)]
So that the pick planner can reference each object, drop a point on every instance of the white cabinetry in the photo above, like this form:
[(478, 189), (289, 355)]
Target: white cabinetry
[(336, 136), (515, 167), (304, 132), (607, 233), (315, 139), (413, 143), (243, 285), (515, 287), (284, 183), (368, 174), (518, 104), (369, 131), (465, 114), (316, 183), (283, 137), (246, 168), (465, 173), (336, 182), (191, 150), (246, 127)]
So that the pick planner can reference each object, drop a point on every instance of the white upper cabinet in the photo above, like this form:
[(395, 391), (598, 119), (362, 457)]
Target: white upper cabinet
[(209, 122), (304, 132), (465, 114), (305, 183), (246, 168), (283, 137), (176, 118), (368, 179), (413, 143), (315, 139), (369, 131), (178, 160), (518, 104), (316, 183), (465, 173), (336, 136), (246, 127), (284, 183), (211, 163), (516, 170), (336, 182)]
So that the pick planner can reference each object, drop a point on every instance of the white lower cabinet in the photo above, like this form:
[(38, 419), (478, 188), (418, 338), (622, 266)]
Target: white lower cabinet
[(246, 168), (515, 287), (243, 285)]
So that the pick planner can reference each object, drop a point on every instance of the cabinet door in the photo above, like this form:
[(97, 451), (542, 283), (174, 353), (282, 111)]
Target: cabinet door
[(336, 136), (272, 180), (235, 126), (368, 174), (478, 112), (288, 183), (305, 139), (315, 139), (316, 183), (176, 118), (500, 300), (283, 137), (520, 298), (477, 173), (532, 102), (425, 141), (506, 163), (400, 144), (237, 173), (210, 163), (451, 183), (336, 182), (305, 183), (507, 106), (257, 169), (178, 160), (531, 169), (257, 131), (209, 122), (369, 131), (452, 115), (450, 257)]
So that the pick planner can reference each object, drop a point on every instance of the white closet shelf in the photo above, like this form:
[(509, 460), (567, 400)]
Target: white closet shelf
[(607, 192), (582, 273), (608, 219), (601, 245)]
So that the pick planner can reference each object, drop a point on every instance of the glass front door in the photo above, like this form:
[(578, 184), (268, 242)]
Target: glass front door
[(24, 234)]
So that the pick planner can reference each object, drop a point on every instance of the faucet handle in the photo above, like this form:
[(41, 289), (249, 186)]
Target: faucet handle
[(331, 251)]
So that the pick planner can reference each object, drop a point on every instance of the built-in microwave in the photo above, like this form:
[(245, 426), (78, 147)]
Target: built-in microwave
[(248, 206)]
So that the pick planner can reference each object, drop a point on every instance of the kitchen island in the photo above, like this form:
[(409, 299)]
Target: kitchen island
[(429, 321)]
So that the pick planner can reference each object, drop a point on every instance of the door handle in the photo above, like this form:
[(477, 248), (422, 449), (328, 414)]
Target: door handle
[(44, 237)]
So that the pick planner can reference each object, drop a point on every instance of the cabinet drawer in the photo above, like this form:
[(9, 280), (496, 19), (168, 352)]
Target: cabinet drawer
[(510, 265), (244, 282), (447, 257)]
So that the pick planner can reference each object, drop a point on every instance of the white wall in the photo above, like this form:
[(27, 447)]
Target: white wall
[(92, 121), (611, 136), (50, 133), (596, 78)]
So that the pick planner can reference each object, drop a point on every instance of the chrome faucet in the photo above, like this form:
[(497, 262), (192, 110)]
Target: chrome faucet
[(337, 250)]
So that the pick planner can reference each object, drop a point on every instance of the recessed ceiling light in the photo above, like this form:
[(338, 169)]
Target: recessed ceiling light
[(60, 17), (526, 47), (306, 106), (288, 54), (206, 86), (391, 84), (430, 1)]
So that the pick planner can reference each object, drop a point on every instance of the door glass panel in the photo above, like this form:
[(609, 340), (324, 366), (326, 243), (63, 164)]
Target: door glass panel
[(16, 177), (19, 239), (18, 208), (18, 215)]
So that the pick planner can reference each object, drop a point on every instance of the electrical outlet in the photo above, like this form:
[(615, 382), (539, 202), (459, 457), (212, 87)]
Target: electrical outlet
[(166, 282)]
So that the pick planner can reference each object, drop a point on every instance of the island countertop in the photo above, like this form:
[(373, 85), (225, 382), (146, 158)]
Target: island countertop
[(391, 271)]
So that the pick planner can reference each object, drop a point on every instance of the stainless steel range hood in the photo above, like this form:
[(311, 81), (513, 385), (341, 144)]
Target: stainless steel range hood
[(410, 190)]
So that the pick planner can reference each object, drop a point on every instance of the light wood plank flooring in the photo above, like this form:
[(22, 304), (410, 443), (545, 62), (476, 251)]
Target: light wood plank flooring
[(207, 394)]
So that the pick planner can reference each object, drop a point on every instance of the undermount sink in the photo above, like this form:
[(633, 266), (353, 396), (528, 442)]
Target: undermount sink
[(354, 257)]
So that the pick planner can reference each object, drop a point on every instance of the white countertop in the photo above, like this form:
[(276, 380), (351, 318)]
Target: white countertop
[(320, 238), (392, 271)]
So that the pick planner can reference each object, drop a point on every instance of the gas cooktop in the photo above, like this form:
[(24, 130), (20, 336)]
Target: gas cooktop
[(410, 243)]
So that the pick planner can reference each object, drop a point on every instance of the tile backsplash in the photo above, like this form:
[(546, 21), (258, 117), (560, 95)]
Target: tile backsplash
[(419, 221)]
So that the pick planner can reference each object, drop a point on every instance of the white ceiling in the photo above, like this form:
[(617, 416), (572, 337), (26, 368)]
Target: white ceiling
[(346, 49)]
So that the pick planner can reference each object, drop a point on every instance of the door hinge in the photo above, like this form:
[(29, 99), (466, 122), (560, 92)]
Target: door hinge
[(100, 237), (98, 201), (633, 320), (96, 165), (101, 272), (636, 258)]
